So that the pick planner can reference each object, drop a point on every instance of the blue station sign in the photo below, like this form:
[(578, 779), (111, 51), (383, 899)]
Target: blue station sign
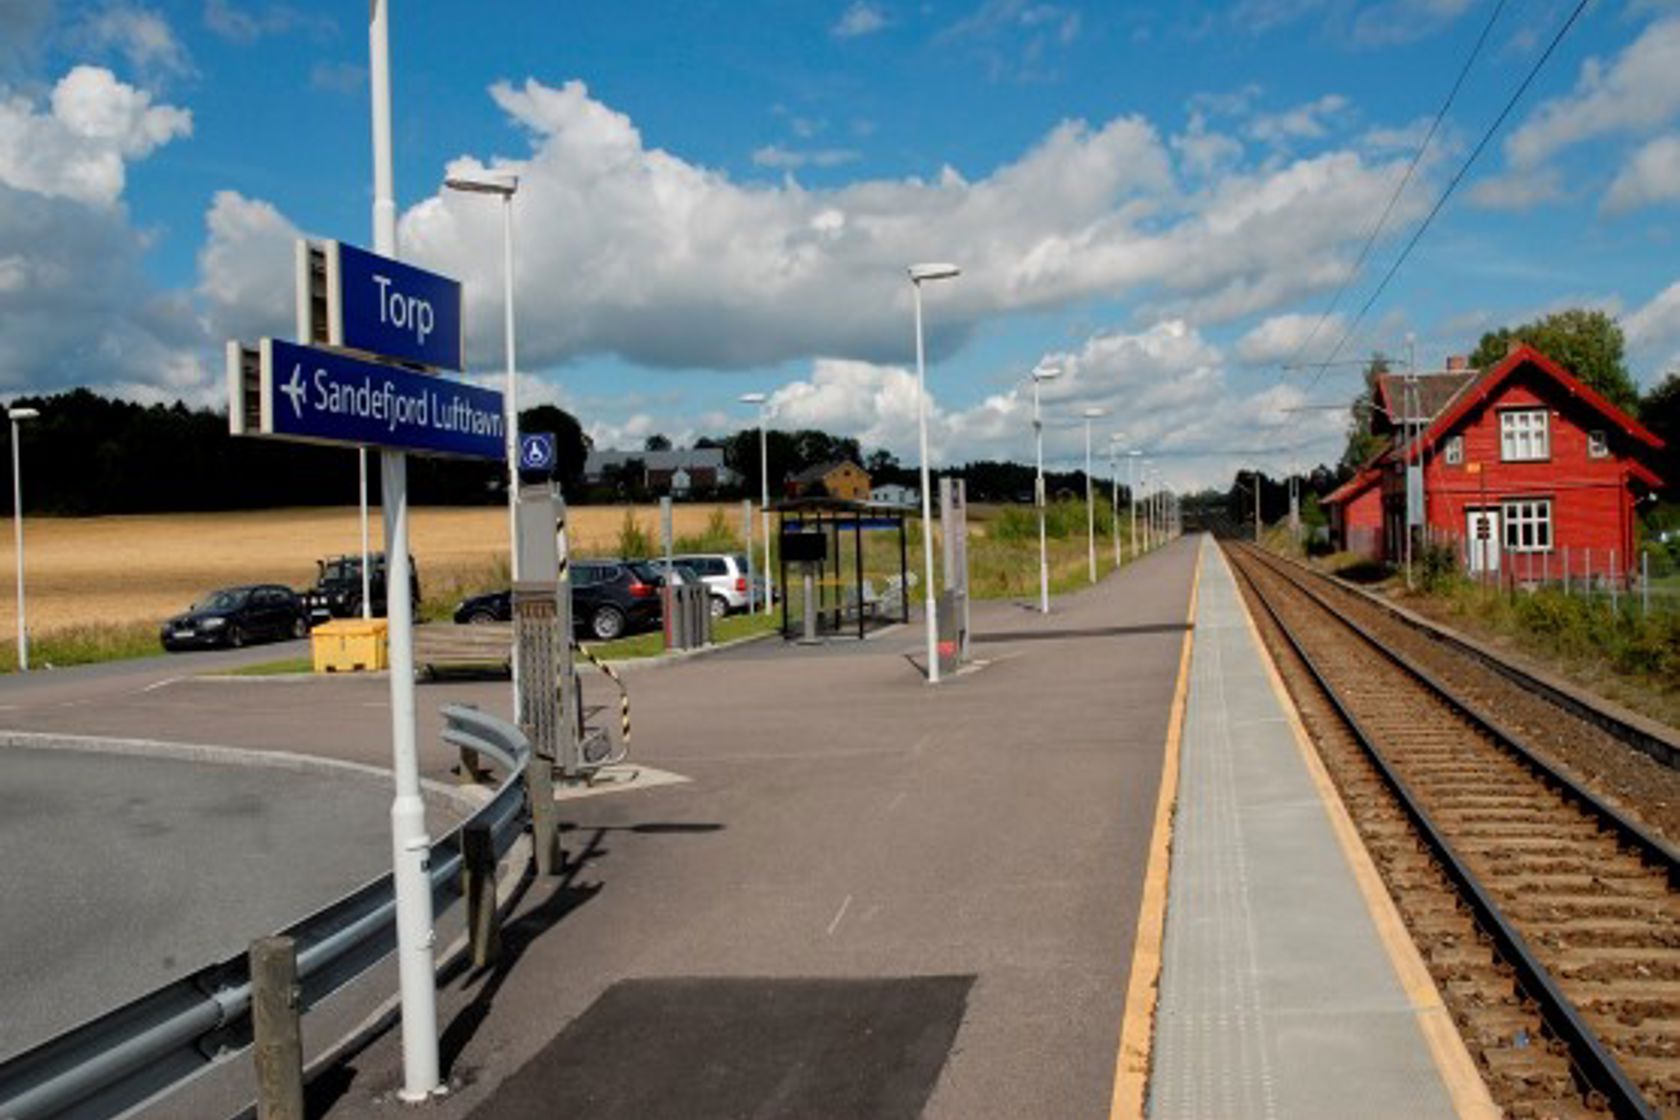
[(351, 298), (304, 393)]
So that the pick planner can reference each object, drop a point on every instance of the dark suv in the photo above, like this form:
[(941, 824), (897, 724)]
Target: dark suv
[(610, 598), (338, 587)]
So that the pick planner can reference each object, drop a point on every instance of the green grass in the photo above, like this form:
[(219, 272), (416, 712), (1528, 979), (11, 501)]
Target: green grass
[(283, 667), (652, 644), (85, 645)]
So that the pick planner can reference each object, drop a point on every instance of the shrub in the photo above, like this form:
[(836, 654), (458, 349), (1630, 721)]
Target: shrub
[(633, 540)]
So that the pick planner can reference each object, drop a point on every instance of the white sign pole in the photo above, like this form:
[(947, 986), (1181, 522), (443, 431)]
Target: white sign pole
[(367, 574), (410, 845)]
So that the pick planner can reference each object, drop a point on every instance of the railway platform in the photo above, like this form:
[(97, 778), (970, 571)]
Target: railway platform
[(1287, 983)]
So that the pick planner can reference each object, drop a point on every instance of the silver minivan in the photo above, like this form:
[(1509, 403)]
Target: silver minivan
[(725, 574)]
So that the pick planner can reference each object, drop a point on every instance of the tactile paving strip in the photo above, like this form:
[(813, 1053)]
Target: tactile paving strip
[(1277, 998)]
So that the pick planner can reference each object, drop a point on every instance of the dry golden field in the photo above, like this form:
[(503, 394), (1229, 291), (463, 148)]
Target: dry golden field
[(124, 570)]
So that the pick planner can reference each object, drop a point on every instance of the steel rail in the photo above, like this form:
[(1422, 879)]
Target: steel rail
[(154, 1043), (1598, 1066), (1665, 750), (1651, 847)]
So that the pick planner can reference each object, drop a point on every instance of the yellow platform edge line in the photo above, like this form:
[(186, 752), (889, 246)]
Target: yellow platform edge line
[(1464, 1084), (1137, 1021)]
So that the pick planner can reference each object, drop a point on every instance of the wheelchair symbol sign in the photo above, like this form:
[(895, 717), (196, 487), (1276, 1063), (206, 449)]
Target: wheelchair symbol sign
[(536, 451)]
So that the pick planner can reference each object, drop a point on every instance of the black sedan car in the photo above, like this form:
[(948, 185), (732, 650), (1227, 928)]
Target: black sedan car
[(236, 616), (610, 598)]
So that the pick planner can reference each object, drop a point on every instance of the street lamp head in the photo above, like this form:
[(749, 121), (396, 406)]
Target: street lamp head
[(487, 183), (1093, 413), (1046, 371), (934, 271), (23, 413), (754, 398)]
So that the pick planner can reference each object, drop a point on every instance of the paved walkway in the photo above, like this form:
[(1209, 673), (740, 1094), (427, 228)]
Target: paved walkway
[(872, 898), (1278, 997)]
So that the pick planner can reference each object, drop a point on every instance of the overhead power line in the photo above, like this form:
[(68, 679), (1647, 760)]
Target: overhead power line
[(1457, 178), (1405, 181)]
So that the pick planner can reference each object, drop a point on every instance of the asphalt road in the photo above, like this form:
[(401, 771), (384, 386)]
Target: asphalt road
[(123, 873)]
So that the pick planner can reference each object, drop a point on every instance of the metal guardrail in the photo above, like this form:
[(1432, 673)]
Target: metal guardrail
[(150, 1045)]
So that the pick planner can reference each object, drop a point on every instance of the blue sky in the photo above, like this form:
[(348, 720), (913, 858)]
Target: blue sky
[(721, 197)]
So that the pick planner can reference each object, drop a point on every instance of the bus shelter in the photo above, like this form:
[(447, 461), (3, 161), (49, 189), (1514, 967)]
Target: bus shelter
[(856, 555)]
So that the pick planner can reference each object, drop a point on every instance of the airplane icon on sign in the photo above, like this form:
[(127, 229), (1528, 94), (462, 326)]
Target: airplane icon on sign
[(296, 391)]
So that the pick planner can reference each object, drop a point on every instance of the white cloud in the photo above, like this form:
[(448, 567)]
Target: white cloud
[(862, 18), (1636, 92), (1404, 21), (790, 159), (1016, 39), (629, 250), (139, 35), (246, 269), (1655, 325), (1519, 189), (80, 147), (1281, 337), (1651, 176), (1165, 388), (247, 23), (1307, 121)]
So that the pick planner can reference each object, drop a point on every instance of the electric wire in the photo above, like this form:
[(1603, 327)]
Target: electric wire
[(1405, 181), (1452, 186)]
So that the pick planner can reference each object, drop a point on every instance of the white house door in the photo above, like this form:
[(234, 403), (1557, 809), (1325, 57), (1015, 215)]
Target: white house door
[(1481, 535)]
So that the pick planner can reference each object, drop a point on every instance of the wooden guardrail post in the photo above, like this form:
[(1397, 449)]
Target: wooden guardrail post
[(478, 886), (278, 1043)]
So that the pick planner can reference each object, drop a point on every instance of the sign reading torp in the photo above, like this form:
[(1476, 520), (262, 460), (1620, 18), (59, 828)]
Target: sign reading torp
[(305, 393), (351, 298)]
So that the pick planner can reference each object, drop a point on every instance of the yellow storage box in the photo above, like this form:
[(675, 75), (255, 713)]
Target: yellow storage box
[(350, 645)]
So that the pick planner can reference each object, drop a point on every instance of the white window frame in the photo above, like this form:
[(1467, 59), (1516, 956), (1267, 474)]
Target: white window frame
[(1598, 445), (1454, 452), (1525, 524), (1525, 435)]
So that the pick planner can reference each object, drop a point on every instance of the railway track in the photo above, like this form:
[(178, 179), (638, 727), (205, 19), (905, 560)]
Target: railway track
[(1548, 915)]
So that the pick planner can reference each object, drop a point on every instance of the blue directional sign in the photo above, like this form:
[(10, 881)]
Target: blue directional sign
[(379, 306), (304, 393), (537, 452)]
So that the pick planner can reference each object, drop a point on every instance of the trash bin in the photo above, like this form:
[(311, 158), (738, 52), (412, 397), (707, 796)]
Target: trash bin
[(350, 645)]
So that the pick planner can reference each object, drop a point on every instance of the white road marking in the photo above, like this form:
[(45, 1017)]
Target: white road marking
[(897, 799), (619, 779), (838, 915), (164, 683)]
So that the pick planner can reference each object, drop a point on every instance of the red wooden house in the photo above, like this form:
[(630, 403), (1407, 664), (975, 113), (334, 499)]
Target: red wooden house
[(1525, 471)]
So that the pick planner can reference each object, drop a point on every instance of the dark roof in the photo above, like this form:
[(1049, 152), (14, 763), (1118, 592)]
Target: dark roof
[(1435, 391), (821, 470)]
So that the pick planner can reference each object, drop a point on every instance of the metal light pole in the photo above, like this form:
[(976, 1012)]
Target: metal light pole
[(1090, 414), (17, 416), (504, 186), (920, 273), (1041, 373), (763, 402), (410, 845), (1114, 442), (1131, 494)]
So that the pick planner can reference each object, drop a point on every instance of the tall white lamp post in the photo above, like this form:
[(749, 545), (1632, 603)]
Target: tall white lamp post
[(18, 415), (1090, 414), (504, 186), (1114, 442), (1131, 493), (1041, 373), (920, 274), (763, 402)]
